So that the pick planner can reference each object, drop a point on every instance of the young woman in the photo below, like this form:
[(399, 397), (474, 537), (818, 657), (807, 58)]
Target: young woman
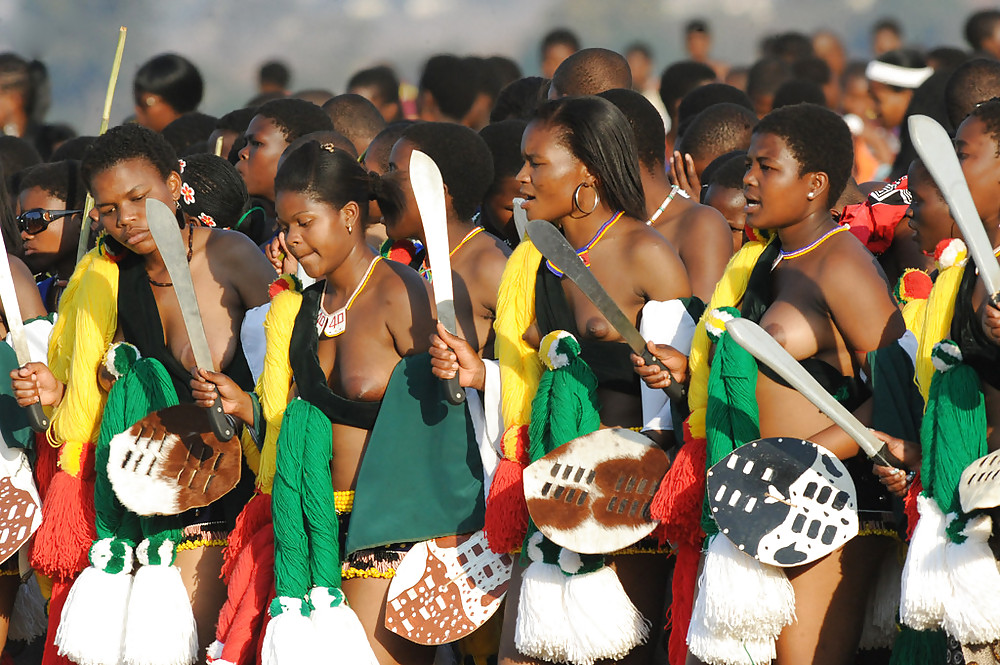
[(322, 206), (123, 292), (818, 292)]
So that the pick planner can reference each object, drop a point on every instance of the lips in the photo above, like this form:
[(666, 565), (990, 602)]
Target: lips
[(137, 236), (752, 205)]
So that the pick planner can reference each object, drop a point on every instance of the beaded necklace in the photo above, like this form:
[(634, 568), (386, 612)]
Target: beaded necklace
[(331, 325), (426, 271), (663, 206), (584, 252), (782, 254)]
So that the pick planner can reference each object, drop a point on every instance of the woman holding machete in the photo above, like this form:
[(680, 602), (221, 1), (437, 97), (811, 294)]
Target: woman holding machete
[(122, 292), (343, 338), (822, 296)]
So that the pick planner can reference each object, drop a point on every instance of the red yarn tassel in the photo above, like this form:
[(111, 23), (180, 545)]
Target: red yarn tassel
[(254, 516), (685, 579), (60, 590), (678, 501), (46, 463), (506, 521), (240, 637), (63, 540), (910, 505)]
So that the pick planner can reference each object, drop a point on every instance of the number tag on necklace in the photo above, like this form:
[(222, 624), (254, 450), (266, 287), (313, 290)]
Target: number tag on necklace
[(331, 325)]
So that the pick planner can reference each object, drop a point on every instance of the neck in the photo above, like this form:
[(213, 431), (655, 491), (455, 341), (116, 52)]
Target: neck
[(808, 230), (457, 229), (657, 186), (346, 276), (579, 230)]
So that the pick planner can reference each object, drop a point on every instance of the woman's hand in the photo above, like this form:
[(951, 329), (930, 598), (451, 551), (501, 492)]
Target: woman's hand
[(207, 386), (281, 259), (36, 383), (685, 176), (895, 480), (451, 355), (991, 322), (672, 366)]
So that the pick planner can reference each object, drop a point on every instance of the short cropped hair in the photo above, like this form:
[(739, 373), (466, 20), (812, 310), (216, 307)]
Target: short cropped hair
[(463, 158)]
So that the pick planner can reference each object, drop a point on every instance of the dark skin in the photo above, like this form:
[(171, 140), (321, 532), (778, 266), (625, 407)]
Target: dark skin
[(230, 277), (476, 267), (152, 111), (698, 232), (391, 318), (730, 203), (635, 264), (818, 312), (54, 249), (259, 158)]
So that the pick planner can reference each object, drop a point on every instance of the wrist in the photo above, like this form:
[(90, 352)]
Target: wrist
[(478, 380), (60, 391), (244, 409)]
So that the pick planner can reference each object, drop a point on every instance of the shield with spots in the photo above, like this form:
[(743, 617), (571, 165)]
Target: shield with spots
[(446, 588), (784, 501), (592, 495)]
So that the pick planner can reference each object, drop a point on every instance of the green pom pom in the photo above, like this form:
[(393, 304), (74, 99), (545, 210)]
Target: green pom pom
[(715, 321), (120, 358), (558, 349), (112, 555), (945, 355)]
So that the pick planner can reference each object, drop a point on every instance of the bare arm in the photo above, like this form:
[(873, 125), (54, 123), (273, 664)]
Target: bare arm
[(410, 317), (656, 267), (248, 269), (28, 299), (707, 249)]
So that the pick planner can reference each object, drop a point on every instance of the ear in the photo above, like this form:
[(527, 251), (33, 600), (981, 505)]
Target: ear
[(350, 214), (174, 183), (819, 185)]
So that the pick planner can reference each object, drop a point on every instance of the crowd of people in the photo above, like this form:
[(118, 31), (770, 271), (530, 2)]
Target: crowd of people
[(788, 192)]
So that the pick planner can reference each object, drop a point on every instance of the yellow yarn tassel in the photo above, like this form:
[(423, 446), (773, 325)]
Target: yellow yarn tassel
[(520, 367), (86, 325), (728, 293), (274, 384), (939, 310)]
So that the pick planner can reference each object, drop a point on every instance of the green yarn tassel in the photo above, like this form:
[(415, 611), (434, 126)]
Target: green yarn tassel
[(318, 502), (919, 647), (953, 431)]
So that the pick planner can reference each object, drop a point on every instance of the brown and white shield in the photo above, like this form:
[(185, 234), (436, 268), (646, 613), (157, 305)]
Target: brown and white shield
[(170, 461), (592, 495), (20, 507), (446, 588)]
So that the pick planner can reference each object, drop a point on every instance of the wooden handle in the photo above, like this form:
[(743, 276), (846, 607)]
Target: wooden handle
[(675, 391)]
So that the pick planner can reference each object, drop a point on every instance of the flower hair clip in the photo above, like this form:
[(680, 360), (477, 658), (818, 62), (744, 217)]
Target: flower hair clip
[(206, 220), (188, 193)]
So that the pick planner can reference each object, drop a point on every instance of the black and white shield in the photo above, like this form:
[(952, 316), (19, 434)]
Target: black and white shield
[(784, 501)]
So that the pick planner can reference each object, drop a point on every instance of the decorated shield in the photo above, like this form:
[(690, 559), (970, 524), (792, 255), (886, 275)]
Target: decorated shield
[(446, 588), (592, 495), (170, 462), (19, 503), (784, 501)]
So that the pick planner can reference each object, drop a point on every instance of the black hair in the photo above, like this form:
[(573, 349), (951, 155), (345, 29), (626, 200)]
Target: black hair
[(590, 71), (947, 58), (598, 134), (31, 80), (696, 25), (647, 126), (798, 91), (504, 142), (463, 158), (380, 148), (328, 140), (295, 117), (213, 191), (49, 136), (237, 120), (276, 73), (382, 78), (719, 129), (355, 117), (560, 37), (60, 179), (172, 77), (789, 46), (331, 177), (812, 68), (681, 78), (640, 47), (8, 226), (72, 149), (707, 95), (929, 100), (452, 82), (128, 142), (187, 129), (487, 79), (520, 99), (16, 154), (989, 113), (973, 82), (506, 70), (890, 24), (818, 139), (980, 26), (766, 76), (726, 171)]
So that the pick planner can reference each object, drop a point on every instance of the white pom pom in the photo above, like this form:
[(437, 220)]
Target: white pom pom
[(92, 625), (214, 651), (161, 629), (338, 630), (290, 638), (925, 586), (570, 561), (972, 610), (543, 630), (605, 622), (29, 619)]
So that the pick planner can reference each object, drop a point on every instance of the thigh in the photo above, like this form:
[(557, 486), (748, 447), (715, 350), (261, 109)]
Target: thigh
[(200, 570), (367, 598), (830, 601)]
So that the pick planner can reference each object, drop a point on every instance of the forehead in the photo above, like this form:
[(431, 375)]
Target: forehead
[(36, 197), (540, 137), (263, 127), (972, 130), (133, 170), (772, 146)]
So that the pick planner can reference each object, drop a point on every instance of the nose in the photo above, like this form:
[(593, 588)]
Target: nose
[(522, 175), (244, 152)]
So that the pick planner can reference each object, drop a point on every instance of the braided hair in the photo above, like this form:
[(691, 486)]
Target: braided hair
[(213, 193)]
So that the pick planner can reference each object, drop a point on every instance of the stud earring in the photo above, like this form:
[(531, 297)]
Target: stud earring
[(811, 196)]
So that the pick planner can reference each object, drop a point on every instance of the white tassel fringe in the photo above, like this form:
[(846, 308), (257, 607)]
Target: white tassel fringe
[(29, 619), (543, 630), (92, 625), (882, 609), (972, 610), (724, 650), (290, 638), (605, 622), (925, 586), (161, 629), (339, 631)]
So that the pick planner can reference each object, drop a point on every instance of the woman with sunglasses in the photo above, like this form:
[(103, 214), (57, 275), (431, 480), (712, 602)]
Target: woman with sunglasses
[(122, 291), (50, 211)]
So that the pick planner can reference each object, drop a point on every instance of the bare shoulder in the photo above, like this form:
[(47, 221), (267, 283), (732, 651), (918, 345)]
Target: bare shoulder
[(705, 223), (487, 258), (644, 243), (654, 264), (398, 283), (849, 263)]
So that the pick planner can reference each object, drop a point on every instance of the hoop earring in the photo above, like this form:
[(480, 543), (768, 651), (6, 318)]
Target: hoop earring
[(576, 199)]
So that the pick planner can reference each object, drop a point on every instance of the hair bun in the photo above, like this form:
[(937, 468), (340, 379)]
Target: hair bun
[(376, 187)]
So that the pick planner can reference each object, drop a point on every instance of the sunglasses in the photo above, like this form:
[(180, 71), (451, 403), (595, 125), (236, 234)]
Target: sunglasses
[(36, 220)]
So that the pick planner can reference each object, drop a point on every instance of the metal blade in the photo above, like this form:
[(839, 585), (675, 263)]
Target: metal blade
[(428, 190), (937, 152), (520, 218), (764, 348), (163, 226), (551, 243)]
